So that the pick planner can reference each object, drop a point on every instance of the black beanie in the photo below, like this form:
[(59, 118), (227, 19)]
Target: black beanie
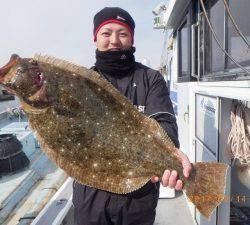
[(113, 15)]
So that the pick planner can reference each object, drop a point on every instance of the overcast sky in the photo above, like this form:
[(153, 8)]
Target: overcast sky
[(63, 28)]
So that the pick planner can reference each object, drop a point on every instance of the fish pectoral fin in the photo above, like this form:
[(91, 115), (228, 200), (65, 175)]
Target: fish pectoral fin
[(205, 187)]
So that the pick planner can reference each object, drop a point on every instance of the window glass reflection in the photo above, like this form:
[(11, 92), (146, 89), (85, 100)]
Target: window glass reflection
[(240, 10)]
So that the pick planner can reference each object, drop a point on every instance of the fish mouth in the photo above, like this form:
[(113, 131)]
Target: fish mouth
[(5, 69)]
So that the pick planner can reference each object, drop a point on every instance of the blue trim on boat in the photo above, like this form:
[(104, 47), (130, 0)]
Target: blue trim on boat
[(173, 97)]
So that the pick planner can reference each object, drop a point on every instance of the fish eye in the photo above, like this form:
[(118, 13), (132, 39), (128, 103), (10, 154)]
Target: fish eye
[(20, 70), (33, 62)]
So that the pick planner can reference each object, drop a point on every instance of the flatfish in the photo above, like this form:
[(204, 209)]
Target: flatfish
[(97, 136)]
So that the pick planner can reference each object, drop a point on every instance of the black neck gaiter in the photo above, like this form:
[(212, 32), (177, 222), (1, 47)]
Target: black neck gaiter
[(115, 63)]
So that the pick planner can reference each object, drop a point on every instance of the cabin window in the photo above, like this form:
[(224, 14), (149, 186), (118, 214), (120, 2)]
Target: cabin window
[(183, 50), (183, 32), (213, 56), (214, 64), (183, 35), (240, 10)]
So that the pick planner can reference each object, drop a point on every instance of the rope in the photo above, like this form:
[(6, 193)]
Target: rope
[(239, 136), (217, 40), (234, 23)]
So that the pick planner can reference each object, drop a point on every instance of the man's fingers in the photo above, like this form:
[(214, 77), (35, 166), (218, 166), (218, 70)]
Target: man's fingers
[(172, 179), (186, 168), (178, 185), (154, 179), (185, 164), (165, 178)]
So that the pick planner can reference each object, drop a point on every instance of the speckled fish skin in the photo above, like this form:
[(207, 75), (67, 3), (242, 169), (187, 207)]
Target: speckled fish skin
[(96, 135)]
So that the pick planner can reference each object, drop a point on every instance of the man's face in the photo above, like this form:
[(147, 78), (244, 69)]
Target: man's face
[(113, 37)]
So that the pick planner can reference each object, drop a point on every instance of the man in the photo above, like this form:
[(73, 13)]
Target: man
[(146, 88)]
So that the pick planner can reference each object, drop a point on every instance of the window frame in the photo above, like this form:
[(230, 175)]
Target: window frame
[(188, 19), (227, 73)]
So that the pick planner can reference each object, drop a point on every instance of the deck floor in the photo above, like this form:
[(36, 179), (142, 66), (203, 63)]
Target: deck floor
[(173, 211)]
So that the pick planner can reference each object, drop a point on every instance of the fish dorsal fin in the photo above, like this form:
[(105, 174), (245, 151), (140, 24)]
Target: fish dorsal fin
[(93, 76), (60, 63)]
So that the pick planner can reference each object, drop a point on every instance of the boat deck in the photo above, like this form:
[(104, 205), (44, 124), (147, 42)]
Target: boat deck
[(25, 192), (174, 211), (171, 211)]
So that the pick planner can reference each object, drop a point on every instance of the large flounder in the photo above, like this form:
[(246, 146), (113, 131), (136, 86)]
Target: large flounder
[(97, 136)]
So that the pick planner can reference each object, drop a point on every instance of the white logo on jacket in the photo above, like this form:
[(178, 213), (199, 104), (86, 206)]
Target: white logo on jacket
[(123, 56), (140, 108)]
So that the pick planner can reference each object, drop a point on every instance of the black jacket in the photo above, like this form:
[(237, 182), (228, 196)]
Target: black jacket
[(147, 90)]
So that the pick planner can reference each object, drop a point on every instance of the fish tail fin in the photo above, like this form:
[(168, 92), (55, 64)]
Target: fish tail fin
[(205, 187)]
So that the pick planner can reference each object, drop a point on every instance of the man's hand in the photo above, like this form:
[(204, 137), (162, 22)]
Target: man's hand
[(169, 178)]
